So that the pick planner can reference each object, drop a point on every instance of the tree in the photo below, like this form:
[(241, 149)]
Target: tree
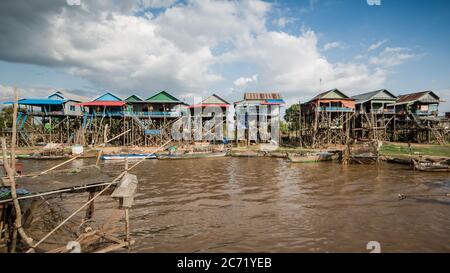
[(6, 118), (284, 128), (292, 117)]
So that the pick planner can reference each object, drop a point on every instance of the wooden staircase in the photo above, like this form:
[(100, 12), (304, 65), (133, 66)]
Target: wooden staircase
[(439, 137)]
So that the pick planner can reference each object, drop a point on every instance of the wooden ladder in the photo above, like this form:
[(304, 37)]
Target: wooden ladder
[(438, 135)]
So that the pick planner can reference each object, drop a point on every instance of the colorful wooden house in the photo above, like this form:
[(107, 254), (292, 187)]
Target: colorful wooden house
[(58, 103), (107, 104), (134, 104), (162, 104), (255, 111), (424, 103), (330, 101), (374, 102), (211, 112), (211, 103)]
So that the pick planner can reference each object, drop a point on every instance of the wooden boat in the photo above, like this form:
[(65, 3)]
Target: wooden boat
[(312, 157), (128, 156), (398, 160), (192, 155), (363, 158), (430, 166), (248, 153), (46, 157)]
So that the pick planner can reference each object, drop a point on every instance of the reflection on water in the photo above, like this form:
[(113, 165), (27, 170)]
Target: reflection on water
[(271, 205)]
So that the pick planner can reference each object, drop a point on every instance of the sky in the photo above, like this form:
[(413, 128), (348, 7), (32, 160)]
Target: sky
[(195, 48)]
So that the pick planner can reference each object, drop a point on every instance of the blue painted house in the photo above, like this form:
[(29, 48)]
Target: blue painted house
[(107, 104), (59, 103)]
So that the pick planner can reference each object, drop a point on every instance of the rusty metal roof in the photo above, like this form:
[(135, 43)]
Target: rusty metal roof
[(262, 96), (415, 96)]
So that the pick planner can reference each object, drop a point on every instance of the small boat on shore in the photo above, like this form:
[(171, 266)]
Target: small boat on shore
[(363, 158), (397, 160), (128, 156), (192, 155), (430, 166), (45, 157), (312, 157), (246, 153)]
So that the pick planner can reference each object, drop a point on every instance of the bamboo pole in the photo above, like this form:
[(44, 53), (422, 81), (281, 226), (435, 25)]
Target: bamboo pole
[(92, 199), (99, 155), (127, 227), (11, 173), (75, 157)]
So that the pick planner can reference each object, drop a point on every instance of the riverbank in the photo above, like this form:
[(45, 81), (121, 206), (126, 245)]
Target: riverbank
[(388, 150)]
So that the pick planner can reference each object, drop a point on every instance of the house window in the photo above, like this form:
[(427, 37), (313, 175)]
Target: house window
[(72, 108)]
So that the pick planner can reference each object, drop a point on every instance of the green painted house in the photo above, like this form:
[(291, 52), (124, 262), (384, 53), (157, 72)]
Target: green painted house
[(162, 104)]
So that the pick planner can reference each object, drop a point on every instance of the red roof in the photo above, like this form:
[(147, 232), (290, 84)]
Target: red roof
[(209, 105), (102, 103)]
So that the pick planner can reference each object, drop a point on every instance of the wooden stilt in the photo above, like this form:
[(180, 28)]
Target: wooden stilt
[(90, 209)]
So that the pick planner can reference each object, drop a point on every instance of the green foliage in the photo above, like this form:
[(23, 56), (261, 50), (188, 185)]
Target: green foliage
[(421, 149), (6, 118), (284, 128), (292, 117)]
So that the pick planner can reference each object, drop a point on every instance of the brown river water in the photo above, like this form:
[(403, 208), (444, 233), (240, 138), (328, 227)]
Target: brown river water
[(272, 205)]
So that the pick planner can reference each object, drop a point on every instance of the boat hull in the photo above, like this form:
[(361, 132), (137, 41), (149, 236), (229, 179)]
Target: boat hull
[(311, 158), (430, 166), (191, 156), (129, 157)]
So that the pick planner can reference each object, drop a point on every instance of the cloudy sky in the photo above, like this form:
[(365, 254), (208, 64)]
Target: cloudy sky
[(198, 47)]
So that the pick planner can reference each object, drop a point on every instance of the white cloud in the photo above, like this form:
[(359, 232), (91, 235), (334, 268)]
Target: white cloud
[(376, 45), (283, 21), (293, 64), (392, 56), (332, 45), (7, 92), (244, 81), (177, 49), (157, 3)]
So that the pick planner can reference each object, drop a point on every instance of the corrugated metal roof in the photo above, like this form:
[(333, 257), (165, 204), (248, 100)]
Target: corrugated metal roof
[(38, 102), (108, 97), (209, 105), (370, 95), (134, 98), (262, 96), (69, 96), (324, 94), (163, 97), (415, 96), (214, 99), (102, 103)]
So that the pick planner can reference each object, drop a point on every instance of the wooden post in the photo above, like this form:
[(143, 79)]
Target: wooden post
[(11, 174), (98, 157), (91, 207), (105, 133), (127, 228), (300, 123)]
